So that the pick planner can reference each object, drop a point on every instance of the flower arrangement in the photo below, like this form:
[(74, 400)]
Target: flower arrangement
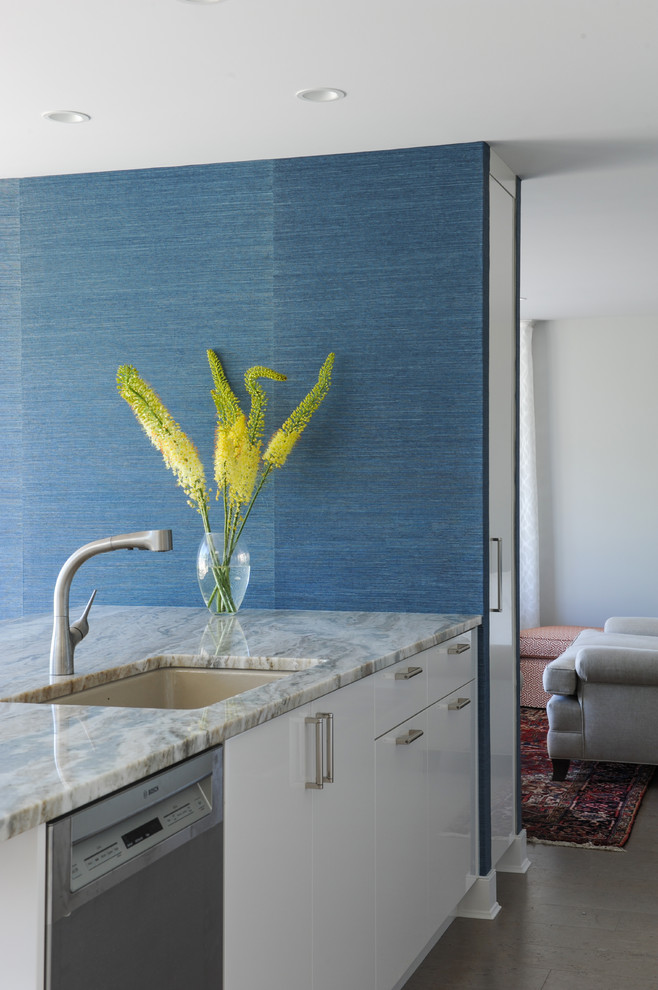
[(241, 466)]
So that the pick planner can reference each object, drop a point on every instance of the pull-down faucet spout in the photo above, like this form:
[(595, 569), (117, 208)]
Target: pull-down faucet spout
[(66, 638)]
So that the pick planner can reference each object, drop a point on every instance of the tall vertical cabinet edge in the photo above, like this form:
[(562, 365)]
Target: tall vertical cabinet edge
[(506, 844)]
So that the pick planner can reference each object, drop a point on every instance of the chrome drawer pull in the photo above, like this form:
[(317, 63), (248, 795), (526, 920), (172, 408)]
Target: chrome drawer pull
[(317, 784), (459, 648), (456, 706), (499, 573), (410, 737), (322, 778), (404, 675), (328, 777)]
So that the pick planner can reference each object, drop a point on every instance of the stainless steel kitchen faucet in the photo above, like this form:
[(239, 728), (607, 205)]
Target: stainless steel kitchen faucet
[(65, 638)]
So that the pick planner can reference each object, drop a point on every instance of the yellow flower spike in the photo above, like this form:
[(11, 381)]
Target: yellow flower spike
[(222, 454), (179, 453), (226, 402), (258, 395), (242, 464), (287, 436), (301, 416), (280, 446)]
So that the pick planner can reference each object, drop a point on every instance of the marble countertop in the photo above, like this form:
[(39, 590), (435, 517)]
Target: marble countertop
[(54, 758)]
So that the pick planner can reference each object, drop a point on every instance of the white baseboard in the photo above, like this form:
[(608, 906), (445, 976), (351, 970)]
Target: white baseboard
[(515, 859), (480, 901)]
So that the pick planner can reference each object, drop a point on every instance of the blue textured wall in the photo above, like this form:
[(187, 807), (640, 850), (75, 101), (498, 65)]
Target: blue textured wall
[(379, 257), (11, 507)]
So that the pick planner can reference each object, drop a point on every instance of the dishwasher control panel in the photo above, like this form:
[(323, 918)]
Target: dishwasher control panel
[(94, 855)]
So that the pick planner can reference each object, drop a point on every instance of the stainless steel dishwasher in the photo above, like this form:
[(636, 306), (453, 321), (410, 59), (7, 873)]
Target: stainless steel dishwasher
[(134, 895)]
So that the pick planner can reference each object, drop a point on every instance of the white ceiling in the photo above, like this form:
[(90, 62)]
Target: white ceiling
[(566, 92)]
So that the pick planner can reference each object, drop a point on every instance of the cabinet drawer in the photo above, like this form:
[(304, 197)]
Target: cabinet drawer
[(449, 665), (400, 692)]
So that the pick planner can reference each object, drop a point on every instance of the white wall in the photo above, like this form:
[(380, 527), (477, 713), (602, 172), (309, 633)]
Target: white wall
[(596, 396)]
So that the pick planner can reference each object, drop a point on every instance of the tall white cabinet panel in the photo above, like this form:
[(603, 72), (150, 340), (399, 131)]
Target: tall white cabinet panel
[(22, 910), (503, 630), (299, 868), (268, 918), (343, 865)]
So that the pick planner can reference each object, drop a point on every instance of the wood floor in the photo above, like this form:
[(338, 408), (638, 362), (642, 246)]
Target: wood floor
[(579, 919)]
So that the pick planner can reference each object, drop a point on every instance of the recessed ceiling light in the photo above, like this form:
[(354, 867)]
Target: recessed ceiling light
[(66, 116), (324, 95)]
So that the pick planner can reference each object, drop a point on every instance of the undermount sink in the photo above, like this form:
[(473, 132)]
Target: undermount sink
[(171, 687)]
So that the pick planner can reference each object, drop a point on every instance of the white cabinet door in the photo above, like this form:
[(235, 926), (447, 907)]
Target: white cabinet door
[(401, 848), (22, 909), (426, 799), (343, 861), (298, 863), (268, 850), (450, 802)]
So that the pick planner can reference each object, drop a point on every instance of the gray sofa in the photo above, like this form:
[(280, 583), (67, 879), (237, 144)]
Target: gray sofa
[(604, 696)]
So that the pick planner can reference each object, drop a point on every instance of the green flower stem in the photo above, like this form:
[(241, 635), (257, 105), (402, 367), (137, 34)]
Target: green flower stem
[(221, 597), (262, 481)]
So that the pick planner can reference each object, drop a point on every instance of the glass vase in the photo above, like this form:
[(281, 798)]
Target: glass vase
[(223, 583)]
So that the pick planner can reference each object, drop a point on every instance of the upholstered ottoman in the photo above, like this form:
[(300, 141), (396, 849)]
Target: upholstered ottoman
[(538, 647)]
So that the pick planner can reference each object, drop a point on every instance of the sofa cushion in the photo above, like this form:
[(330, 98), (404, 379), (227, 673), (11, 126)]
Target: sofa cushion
[(613, 665), (636, 625)]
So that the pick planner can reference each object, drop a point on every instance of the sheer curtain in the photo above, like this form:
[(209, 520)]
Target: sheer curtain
[(528, 514)]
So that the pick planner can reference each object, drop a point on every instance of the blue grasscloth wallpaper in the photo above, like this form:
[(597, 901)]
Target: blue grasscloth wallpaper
[(11, 508), (380, 257)]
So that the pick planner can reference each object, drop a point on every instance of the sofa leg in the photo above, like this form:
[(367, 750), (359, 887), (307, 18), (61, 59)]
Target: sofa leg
[(560, 769)]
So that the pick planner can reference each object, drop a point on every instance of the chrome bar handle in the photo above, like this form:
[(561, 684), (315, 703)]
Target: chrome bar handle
[(319, 720), (459, 648), (317, 784), (405, 675), (499, 572), (328, 777), (408, 737), (456, 706)]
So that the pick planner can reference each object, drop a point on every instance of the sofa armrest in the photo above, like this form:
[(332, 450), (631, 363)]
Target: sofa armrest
[(636, 625), (617, 665), (559, 675)]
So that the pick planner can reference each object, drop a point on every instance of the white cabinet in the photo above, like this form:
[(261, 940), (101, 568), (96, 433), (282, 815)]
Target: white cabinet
[(348, 885), (299, 869), (268, 855), (425, 828), (22, 909), (451, 800), (401, 848), (503, 622), (343, 864)]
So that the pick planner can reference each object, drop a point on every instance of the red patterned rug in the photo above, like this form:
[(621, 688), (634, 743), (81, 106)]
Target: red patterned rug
[(597, 804)]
